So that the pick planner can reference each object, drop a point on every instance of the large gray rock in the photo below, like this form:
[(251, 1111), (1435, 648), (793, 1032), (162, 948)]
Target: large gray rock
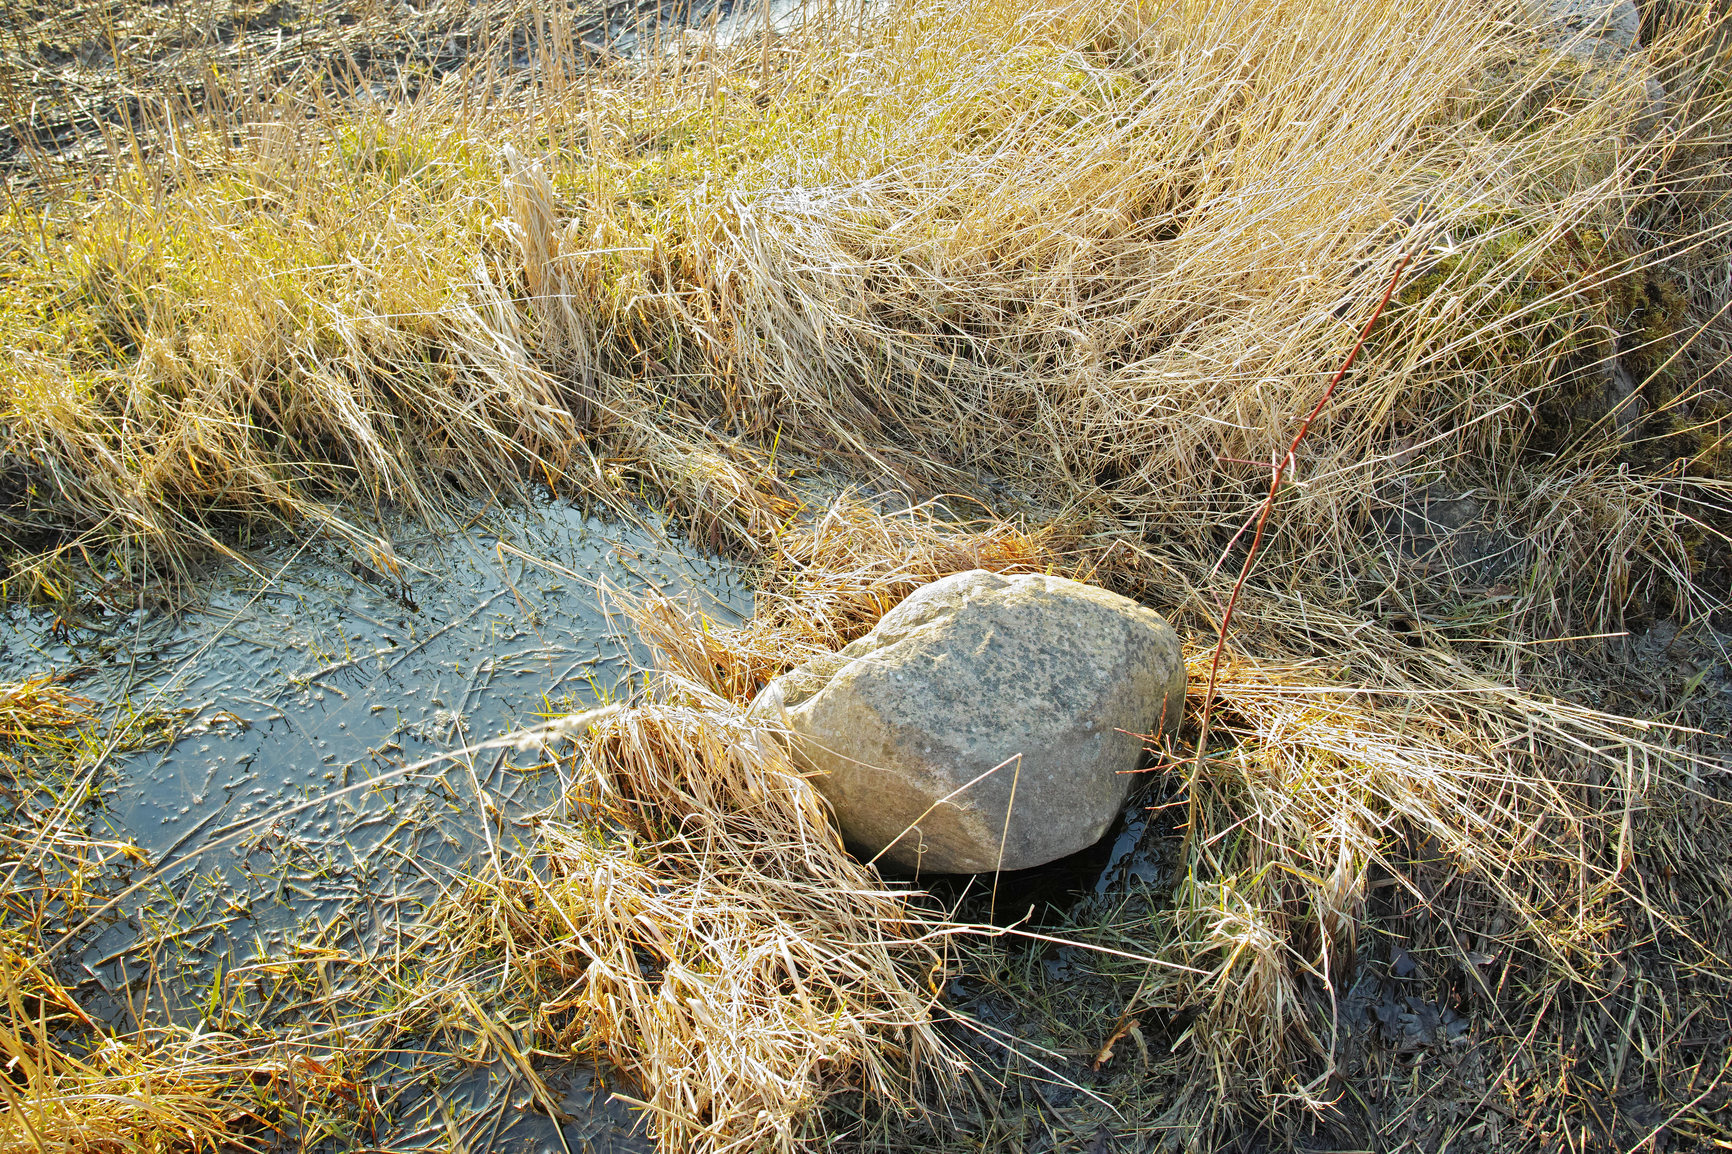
[(1039, 683), (1593, 31)]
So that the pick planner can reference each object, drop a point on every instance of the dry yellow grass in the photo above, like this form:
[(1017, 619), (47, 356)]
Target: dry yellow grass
[(692, 916), (40, 716), (1099, 252), (697, 923), (826, 583), (147, 1095), (1085, 263), (1526, 828)]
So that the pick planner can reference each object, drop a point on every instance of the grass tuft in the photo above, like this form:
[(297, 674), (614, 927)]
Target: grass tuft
[(696, 922)]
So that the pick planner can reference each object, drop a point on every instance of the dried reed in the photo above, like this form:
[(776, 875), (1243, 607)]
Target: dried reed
[(698, 924), (1087, 262)]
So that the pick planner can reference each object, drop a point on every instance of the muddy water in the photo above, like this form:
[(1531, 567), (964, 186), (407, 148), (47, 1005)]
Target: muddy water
[(279, 823)]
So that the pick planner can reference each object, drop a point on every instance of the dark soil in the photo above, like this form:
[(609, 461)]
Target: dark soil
[(78, 83)]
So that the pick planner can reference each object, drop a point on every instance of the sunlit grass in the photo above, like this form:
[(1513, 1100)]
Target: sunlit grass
[(1085, 264)]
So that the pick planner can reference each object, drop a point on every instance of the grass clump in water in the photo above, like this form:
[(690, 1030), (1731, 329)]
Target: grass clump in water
[(71, 1084)]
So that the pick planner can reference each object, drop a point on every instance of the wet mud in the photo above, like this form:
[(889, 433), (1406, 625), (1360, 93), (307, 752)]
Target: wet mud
[(282, 827)]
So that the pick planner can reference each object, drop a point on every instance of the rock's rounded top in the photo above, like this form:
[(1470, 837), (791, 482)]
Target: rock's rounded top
[(1591, 30), (987, 722)]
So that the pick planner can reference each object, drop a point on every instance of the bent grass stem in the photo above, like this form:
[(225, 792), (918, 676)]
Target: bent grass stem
[(1277, 470)]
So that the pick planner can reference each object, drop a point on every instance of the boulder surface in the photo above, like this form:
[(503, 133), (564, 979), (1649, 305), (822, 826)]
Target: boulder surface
[(978, 696), (1593, 31)]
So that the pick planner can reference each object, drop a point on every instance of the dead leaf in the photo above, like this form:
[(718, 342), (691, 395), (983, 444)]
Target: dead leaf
[(1105, 1054)]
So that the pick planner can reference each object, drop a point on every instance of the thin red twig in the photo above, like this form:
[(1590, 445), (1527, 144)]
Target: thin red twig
[(1277, 470)]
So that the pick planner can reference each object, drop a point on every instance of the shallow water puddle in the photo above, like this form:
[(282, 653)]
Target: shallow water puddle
[(279, 821)]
